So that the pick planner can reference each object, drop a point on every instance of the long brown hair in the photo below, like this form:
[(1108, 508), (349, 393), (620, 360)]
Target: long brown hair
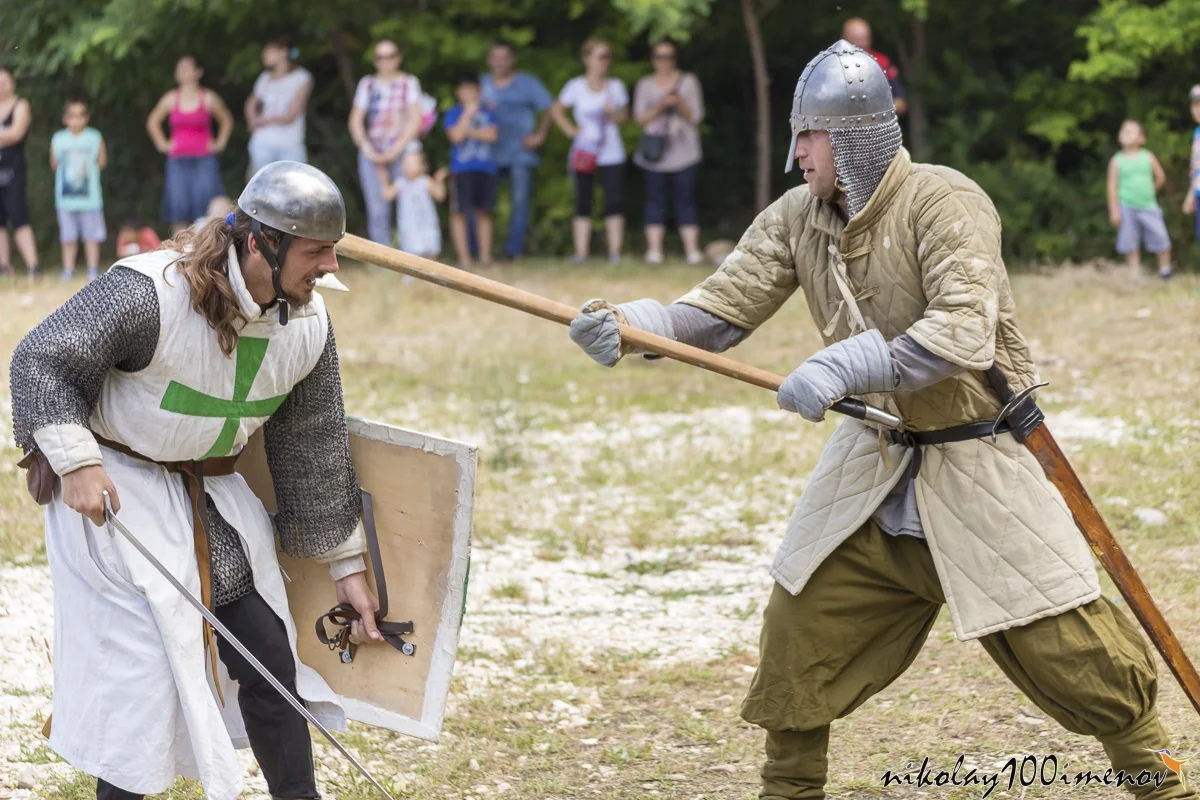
[(204, 263)]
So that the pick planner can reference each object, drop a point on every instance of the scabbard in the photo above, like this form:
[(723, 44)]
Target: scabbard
[(1029, 427), (1110, 554)]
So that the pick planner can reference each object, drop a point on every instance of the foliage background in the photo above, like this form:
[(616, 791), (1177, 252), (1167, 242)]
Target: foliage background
[(1024, 96)]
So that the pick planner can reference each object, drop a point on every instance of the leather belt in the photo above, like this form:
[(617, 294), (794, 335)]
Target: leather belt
[(957, 433), (342, 615), (193, 473)]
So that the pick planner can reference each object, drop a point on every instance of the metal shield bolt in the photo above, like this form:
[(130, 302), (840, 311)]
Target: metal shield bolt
[(408, 649)]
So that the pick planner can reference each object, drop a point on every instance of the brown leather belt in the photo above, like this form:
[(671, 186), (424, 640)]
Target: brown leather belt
[(193, 473)]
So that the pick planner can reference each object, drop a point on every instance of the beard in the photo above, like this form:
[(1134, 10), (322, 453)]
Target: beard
[(296, 301), (300, 296)]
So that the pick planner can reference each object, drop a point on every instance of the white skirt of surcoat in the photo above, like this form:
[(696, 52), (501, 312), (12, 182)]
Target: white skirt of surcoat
[(134, 701)]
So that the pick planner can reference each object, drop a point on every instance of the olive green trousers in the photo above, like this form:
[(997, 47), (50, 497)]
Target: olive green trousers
[(861, 620)]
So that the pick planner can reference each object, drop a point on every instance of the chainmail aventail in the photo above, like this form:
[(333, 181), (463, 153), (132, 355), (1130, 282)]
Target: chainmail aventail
[(862, 155)]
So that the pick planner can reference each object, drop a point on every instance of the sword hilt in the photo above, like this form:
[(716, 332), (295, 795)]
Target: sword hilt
[(1018, 408)]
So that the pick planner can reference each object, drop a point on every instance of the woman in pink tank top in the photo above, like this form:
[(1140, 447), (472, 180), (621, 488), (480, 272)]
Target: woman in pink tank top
[(191, 131), (193, 174)]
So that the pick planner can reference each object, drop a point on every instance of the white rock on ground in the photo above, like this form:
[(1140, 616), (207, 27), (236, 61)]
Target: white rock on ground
[(1150, 516)]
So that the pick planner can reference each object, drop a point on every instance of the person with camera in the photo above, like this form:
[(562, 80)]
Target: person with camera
[(669, 106)]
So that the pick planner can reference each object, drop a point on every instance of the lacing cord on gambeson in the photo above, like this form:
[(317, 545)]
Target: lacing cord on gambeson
[(849, 302), (343, 615)]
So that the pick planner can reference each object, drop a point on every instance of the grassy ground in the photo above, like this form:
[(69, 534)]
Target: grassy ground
[(661, 491)]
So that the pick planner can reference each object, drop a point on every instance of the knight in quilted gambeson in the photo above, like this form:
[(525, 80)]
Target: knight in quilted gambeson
[(910, 293)]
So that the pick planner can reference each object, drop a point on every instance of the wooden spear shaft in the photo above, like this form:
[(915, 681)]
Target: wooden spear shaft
[(478, 286), (1058, 470)]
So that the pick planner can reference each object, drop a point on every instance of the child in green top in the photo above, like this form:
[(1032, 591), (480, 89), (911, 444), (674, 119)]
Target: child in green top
[(1134, 177)]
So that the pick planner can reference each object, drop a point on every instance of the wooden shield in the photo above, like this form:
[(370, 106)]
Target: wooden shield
[(422, 489)]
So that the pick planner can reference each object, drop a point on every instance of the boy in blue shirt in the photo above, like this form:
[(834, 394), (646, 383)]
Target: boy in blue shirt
[(471, 130), (77, 154)]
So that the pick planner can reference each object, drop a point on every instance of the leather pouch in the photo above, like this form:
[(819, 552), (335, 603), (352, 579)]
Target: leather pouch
[(39, 477)]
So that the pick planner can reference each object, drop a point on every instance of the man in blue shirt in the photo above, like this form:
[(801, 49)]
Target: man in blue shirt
[(516, 98)]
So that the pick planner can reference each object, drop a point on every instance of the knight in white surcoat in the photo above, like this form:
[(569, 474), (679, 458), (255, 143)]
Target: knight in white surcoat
[(147, 384)]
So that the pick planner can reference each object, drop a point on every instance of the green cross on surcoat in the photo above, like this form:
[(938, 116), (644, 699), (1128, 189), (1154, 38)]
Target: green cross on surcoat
[(186, 400)]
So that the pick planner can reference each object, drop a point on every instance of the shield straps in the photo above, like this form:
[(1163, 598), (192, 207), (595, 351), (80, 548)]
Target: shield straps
[(342, 615)]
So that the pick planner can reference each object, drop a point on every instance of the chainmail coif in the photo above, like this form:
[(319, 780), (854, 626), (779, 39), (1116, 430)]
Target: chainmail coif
[(862, 156)]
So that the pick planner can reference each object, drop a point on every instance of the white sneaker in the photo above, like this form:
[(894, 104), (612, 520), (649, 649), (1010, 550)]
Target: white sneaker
[(653, 257), (695, 258)]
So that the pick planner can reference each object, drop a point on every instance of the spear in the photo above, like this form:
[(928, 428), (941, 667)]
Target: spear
[(1039, 441), (478, 286)]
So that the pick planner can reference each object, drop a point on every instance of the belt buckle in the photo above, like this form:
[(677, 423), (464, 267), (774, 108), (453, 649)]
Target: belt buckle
[(901, 437)]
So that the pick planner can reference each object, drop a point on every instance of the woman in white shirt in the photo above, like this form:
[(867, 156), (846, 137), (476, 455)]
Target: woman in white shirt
[(275, 109), (600, 104)]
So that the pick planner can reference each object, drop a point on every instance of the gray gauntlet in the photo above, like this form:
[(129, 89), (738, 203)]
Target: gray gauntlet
[(861, 364), (595, 328)]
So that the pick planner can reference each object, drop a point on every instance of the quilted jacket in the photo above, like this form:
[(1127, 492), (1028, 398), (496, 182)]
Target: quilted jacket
[(922, 258)]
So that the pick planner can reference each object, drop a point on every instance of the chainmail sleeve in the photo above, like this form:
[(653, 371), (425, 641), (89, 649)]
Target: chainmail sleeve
[(58, 369), (308, 451)]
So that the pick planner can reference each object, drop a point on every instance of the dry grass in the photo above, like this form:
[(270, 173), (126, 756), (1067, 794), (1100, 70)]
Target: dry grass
[(552, 722)]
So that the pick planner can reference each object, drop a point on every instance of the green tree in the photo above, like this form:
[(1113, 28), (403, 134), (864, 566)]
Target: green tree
[(659, 18), (1025, 97)]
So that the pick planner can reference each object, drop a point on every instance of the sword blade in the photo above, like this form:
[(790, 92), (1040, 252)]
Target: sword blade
[(237, 645)]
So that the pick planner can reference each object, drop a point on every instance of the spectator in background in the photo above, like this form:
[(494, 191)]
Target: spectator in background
[(1193, 193), (77, 155), (857, 32), (385, 123), (275, 109), (600, 105), (669, 105), (15, 116), (472, 131), (416, 213), (218, 207), (1134, 178), (516, 98), (133, 238), (193, 176)]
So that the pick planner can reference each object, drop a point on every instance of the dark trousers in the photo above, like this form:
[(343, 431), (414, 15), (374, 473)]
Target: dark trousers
[(611, 180), (278, 734), (680, 184)]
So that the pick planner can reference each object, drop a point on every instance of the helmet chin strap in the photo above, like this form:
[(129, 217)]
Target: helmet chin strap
[(275, 262)]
